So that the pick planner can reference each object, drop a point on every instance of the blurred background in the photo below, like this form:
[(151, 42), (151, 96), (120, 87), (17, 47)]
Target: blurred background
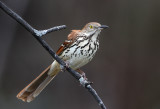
[(125, 70)]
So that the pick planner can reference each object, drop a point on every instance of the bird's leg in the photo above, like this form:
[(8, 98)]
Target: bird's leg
[(63, 69), (83, 75)]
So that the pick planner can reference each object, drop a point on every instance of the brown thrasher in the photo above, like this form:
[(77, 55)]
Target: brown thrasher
[(76, 51)]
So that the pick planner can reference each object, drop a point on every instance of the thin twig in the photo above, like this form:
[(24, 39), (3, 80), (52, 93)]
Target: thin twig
[(37, 34)]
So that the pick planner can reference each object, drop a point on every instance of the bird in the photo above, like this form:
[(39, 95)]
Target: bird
[(79, 49)]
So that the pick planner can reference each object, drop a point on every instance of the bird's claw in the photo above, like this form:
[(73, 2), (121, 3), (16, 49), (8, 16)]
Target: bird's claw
[(63, 68), (90, 83), (86, 79)]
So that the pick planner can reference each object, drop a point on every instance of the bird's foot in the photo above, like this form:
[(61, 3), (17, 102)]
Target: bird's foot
[(85, 78), (63, 69)]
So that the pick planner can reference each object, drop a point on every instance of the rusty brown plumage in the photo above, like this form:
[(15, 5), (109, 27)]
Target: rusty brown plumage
[(79, 49), (70, 39), (29, 89)]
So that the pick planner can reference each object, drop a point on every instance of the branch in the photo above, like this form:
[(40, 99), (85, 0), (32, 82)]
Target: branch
[(37, 34)]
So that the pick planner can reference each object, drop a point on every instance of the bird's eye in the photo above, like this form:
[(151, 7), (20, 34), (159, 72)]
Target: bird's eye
[(90, 26)]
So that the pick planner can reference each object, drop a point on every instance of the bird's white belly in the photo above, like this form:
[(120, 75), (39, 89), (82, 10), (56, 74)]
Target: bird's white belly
[(79, 59), (79, 55)]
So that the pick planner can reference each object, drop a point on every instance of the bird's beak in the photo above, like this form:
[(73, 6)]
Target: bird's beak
[(103, 26)]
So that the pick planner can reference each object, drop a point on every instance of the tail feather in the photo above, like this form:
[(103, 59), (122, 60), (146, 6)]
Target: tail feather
[(39, 89), (36, 86)]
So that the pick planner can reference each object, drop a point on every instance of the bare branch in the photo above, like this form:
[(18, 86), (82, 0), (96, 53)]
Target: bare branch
[(37, 34)]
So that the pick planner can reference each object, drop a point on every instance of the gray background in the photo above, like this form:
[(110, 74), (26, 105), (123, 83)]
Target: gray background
[(125, 71)]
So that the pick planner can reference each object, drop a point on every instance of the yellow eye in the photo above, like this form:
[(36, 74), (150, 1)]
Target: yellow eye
[(91, 26)]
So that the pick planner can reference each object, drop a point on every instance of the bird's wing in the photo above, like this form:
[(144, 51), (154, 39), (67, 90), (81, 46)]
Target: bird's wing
[(70, 40)]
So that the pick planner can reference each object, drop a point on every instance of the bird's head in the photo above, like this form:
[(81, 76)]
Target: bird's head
[(93, 28)]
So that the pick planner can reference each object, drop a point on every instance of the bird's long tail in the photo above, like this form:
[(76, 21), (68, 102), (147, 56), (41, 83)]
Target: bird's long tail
[(38, 84)]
